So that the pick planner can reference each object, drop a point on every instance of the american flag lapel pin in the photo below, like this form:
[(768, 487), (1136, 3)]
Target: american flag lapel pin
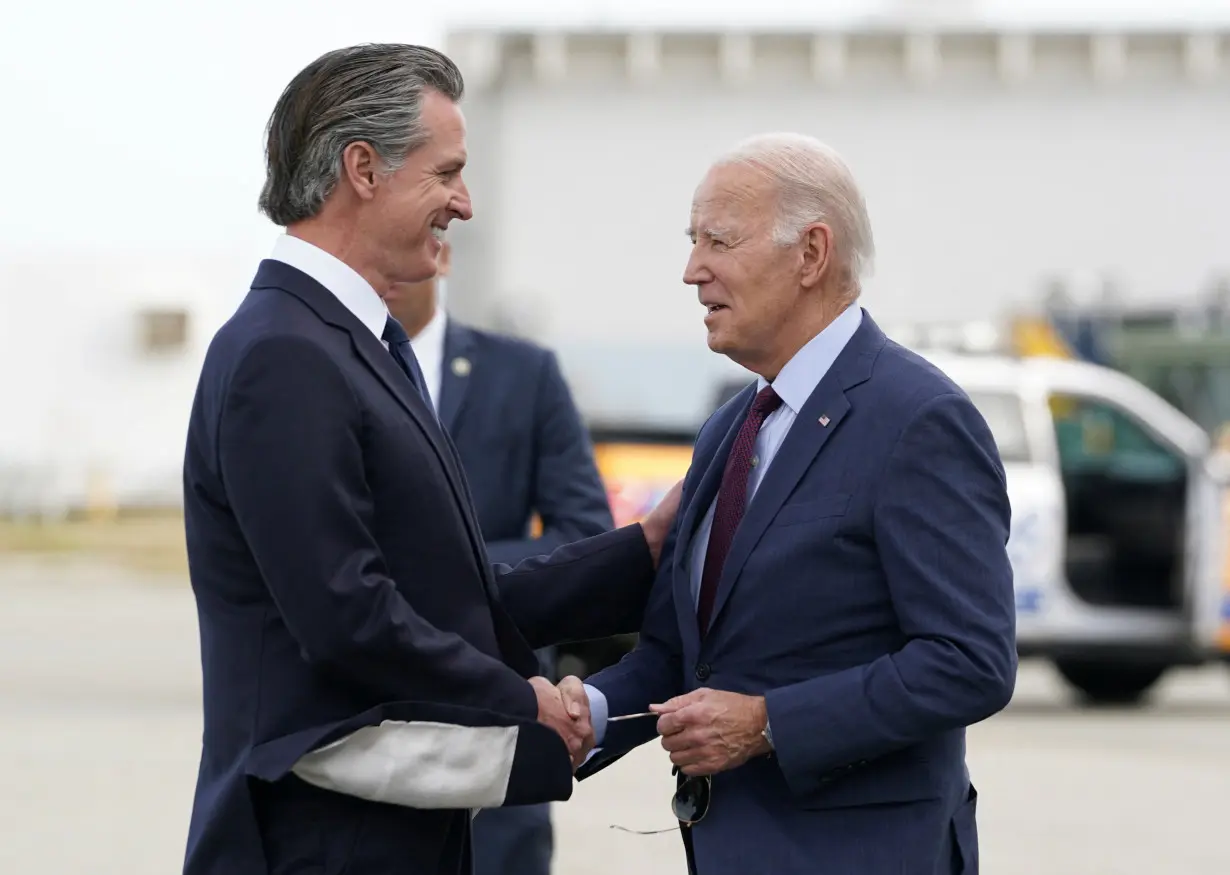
[(824, 420)]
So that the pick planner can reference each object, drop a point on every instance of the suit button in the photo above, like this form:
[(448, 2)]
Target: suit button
[(702, 671)]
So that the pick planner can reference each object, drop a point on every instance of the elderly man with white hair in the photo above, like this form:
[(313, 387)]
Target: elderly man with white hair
[(834, 605)]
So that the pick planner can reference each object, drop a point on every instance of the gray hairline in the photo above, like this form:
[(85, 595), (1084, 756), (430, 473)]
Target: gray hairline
[(803, 200)]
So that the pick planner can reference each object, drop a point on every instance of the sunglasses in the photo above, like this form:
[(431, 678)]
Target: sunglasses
[(691, 800), (690, 803)]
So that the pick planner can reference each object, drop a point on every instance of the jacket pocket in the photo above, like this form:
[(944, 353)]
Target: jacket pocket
[(832, 505), (890, 780)]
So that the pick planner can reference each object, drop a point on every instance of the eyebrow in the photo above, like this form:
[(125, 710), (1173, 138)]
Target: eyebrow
[(710, 232)]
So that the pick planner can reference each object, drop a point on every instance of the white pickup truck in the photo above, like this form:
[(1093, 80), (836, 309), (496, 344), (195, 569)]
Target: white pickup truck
[(1118, 530)]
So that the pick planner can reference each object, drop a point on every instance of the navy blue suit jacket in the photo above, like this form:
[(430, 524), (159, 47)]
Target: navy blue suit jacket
[(522, 442), (868, 596), (341, 581)]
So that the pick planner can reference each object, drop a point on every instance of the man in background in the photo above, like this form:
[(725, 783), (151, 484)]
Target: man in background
[(525, 451)]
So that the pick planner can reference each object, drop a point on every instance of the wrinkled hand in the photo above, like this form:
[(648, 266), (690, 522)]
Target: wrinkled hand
[(570, 720), (657, 523), (710, 731)]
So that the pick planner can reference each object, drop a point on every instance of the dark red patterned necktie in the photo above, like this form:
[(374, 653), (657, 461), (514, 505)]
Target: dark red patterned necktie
[(731, 501)]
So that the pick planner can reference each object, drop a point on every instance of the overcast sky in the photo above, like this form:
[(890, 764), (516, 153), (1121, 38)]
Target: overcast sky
[(135, 124)]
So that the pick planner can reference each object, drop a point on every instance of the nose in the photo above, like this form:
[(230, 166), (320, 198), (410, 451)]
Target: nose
[(461, 203), (696, 273)]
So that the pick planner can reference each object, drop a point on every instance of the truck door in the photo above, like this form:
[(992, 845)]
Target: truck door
[(1138, 491)]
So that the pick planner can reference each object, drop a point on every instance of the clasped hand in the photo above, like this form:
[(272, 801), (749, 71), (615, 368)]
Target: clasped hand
[(566, 710)]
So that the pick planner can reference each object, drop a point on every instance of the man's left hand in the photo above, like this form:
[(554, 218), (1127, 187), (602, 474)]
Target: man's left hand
[(710, 731)]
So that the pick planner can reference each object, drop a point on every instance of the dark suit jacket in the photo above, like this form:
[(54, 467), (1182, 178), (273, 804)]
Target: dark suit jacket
[(341, 581), (522, 442), (868, 596)]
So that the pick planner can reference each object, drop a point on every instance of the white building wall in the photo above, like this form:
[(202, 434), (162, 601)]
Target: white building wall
[(86, 415), (990, 163)]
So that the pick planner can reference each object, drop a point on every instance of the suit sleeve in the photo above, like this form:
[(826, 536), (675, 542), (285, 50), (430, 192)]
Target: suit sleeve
[(294, 473), (941, 524), (568, 494), (593, 588), (652, 672)]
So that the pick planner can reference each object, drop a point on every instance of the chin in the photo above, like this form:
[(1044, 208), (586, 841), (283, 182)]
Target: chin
[(717, 342), (419, 270)]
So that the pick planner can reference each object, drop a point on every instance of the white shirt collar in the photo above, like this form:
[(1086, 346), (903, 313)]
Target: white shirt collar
[(799, 378), (355, 293)]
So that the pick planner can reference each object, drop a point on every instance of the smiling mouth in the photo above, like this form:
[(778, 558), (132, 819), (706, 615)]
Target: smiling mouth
[(713, 308)]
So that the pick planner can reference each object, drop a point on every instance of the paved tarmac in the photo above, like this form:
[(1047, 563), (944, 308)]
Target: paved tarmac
[(100, 728)]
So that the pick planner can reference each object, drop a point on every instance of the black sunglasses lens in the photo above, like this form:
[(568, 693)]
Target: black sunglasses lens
[(691, 800)]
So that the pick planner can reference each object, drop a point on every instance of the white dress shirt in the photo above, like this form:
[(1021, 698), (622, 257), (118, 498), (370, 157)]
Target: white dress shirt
[(794, 385), (355, 293)]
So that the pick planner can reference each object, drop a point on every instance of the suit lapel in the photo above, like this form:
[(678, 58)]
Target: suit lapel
[(457, 372), (706, 491), (820, 417), (274, 274), (711, 479), (378, 359), (325, 304)]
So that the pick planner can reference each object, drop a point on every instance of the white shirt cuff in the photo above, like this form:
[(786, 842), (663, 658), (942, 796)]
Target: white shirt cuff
[(598, 712)]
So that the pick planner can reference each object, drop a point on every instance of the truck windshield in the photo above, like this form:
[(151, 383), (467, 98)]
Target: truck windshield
[(1002, 411)]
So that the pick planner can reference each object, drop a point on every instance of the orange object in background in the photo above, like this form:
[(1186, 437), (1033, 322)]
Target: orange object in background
[(637, 475)]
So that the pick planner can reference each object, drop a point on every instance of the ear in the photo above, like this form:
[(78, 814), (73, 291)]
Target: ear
[(817, 253), (360, 168)]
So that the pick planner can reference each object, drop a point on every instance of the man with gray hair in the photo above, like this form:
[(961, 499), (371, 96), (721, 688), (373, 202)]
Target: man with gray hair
[(835, 604), (369, 678)]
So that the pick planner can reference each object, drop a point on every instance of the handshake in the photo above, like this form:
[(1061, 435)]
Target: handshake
[(565, 708), (705, 731)]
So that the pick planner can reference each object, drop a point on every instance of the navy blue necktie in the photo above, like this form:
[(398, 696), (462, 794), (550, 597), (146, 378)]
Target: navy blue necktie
[(399, 347)]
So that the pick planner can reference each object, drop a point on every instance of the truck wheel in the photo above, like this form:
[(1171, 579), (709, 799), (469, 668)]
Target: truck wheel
[(1110, 683)]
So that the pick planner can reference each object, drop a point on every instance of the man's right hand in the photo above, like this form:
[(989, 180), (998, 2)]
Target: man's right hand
[(569, 720)]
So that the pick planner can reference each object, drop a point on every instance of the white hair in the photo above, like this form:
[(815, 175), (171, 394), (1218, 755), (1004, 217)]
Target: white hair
[(814, 185)]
